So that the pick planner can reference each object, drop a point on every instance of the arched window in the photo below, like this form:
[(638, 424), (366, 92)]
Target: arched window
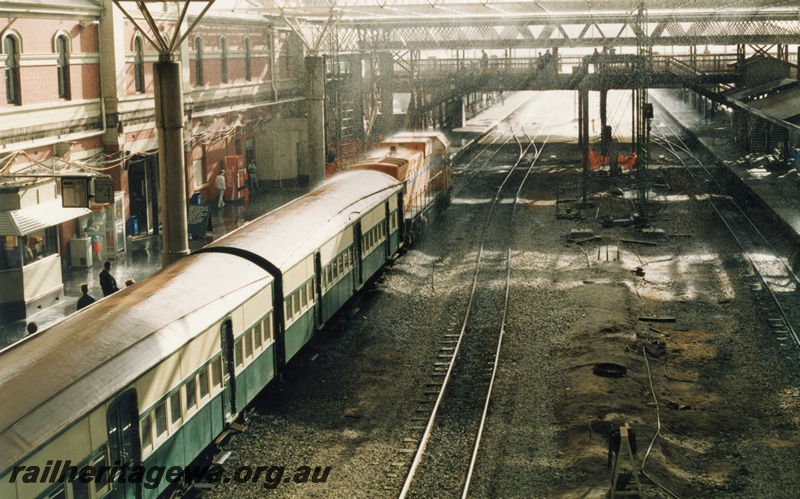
[(248, 49), (11, 50), (223, 60), (138, 64), (198, 61), (62, 49)]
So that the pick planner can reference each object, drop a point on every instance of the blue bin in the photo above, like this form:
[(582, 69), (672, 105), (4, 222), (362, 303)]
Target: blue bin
[(132, 225)]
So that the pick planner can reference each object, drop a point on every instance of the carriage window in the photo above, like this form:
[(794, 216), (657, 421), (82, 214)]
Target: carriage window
[(80, 490), (203, 382), (303, 301), (216, 372), (60, 493), (237, 353), (269, 319), (101, 479), (335, 269), (311, 291), (340, 260), (191, 393), (248, 344), (145, 428), (161, 419), (175, 406), (257, 335)]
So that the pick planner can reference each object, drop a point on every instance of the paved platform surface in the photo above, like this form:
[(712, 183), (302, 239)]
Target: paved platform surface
[(778, 189), (143, 257)]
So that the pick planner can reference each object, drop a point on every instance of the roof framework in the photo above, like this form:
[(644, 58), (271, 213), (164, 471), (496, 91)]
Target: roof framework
[(453, 24)]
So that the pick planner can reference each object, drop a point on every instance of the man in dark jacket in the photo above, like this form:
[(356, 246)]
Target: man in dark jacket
[(86, 299), (107, 281)]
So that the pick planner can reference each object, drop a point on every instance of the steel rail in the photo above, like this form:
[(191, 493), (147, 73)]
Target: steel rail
[(738, 237), (484, 415), (448, 375)]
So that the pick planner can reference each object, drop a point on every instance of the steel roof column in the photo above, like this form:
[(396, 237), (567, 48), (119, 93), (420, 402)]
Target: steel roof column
[(387, 93), (171, 162), (315, 110)]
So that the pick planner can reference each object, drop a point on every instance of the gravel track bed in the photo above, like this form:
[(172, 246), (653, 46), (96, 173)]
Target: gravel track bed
[(728, 431), (443, 469)]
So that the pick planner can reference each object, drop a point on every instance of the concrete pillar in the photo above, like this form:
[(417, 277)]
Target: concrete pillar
[(111, 33), (455, 113), (387, 93), (556, 65), (605, 137), (360, 91), (583, 132), (315, 114), (171, 164)]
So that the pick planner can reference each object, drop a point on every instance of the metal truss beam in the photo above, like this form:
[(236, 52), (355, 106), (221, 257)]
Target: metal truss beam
[(436, 24)]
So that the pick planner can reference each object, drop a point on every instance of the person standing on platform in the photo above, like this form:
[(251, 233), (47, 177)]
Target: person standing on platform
[(251, 173), (86, 299), (219, 183), (107, 281)]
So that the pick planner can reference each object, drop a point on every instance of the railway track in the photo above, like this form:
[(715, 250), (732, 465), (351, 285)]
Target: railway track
[(467, 361), (774, 276)]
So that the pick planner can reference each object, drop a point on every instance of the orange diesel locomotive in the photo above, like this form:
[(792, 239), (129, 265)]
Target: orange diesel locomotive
[(421, 162)]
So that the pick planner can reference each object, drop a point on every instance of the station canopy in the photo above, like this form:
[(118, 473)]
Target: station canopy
[(482, 9), (448, 24)]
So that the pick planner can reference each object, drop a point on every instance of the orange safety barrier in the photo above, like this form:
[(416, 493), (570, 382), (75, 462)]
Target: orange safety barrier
[(625, 163), (596, 160)]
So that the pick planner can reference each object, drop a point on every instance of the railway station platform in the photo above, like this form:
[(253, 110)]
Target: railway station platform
[(143, 257), (474, 128), (778, 189)]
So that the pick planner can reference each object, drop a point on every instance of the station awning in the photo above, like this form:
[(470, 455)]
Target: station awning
[(27, 220), (784, 105)]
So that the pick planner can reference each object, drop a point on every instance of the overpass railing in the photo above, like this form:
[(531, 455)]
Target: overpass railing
[(698, 64)]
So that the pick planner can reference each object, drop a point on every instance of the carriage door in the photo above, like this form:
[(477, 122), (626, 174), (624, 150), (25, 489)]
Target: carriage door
[(318, 316), (123, 441), (359, 276), (228, 373), (387, 230)]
